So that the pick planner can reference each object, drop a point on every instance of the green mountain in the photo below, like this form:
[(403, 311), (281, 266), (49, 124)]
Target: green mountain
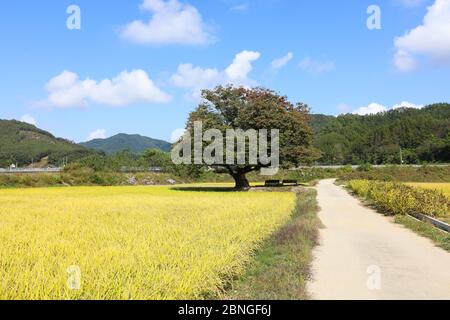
[(415, 136), (23, 143), (412, 135), (120, 142)]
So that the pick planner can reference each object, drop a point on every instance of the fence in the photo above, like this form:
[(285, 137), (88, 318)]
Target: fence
[(29, 170)]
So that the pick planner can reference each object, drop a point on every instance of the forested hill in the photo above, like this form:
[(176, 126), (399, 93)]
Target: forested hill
[(418, 136), (133, 142), (23, 143)]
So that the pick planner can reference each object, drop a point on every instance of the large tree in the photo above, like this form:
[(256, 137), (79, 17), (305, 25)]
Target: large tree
[(256, 109)]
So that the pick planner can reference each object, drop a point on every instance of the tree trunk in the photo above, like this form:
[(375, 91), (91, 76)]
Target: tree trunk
[(241, 181)]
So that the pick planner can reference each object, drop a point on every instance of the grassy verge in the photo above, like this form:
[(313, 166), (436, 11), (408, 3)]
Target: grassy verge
[(85, 178), (440, 238), (281, 267), (371, 199), (90, 177), (400, 174), (395, 198)]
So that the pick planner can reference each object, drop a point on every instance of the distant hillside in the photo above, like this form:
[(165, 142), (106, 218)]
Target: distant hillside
[(320, 121), (23, 143), (134, 143), (415, 135)]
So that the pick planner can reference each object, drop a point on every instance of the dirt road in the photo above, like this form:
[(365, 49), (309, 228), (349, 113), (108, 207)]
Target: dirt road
[(364, 255)]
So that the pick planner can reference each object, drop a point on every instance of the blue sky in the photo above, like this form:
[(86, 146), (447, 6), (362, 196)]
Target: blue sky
[(118, 75)]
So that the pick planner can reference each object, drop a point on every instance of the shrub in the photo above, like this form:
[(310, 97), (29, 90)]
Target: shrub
[(365, 167), (397, 198)]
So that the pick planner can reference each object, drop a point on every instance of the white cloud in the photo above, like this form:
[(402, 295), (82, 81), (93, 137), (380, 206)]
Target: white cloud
[(176, 135), (375, 108), (172, 22), (316, 67), (430, 39), (188, 76), (66, 90), (372, 108), (283, 61), (97, 134), (237, 72), (406, 104), (197, 78), (240, 7), (404, 61), (28, 119)]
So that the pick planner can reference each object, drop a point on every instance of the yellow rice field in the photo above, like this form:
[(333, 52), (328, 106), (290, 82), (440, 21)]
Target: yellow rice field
[(130, 242), (443, 187)]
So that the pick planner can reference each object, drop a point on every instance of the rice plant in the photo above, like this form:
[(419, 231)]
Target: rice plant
[(130, 242)]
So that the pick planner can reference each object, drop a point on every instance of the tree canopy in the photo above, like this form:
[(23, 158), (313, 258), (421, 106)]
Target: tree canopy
[(412, 135), (232, 108)]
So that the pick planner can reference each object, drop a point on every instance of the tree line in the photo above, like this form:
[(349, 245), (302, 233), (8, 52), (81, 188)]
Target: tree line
[(401, 136)]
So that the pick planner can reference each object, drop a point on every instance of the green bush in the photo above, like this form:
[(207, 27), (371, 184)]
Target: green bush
[(365, 167), (397, 198)]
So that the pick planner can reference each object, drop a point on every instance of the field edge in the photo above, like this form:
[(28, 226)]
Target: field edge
[(424, 229), (440, 238), (280, 268)]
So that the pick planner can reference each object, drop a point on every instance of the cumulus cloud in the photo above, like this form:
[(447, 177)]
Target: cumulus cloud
[(316, 67), (372, 108), (176, 135), (97, 134), (406, 104), (172, 22), (430, 39), (66, 90), (28, 119), (283, 61), (375, 108), (237, 72), (404, 61), (189, 76), (197, 78)]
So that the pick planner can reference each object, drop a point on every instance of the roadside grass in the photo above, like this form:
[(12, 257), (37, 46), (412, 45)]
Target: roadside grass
[(400, 199), (425, 229), (84, 178), (309, 176), (440, 238), (400, 174), (280, 269), (89, 177)]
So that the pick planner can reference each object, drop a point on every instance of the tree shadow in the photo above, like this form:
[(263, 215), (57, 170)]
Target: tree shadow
[(205, 189), (230, 189)]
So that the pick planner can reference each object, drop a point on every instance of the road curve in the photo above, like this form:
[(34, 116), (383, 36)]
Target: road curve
[(363, 255)]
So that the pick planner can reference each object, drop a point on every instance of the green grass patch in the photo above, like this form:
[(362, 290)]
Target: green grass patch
[(440, 238), (280, 269)]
